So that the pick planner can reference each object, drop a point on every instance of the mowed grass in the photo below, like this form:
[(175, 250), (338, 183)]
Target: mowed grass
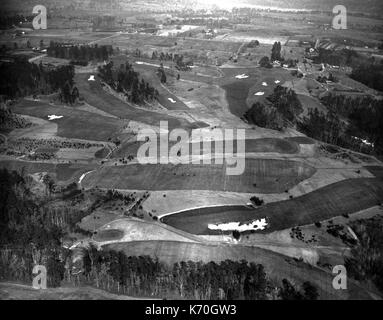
[(75, 123), (95, 95), (251, 145), (240, 92), (347, 196), (277, 267), (15, 291), (108, 235), (62, 171), (260, 175)]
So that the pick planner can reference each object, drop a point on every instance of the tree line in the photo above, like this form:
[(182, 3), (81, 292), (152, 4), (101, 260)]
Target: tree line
[(145, 276), (128, 81), (79, 53), (21, 78)]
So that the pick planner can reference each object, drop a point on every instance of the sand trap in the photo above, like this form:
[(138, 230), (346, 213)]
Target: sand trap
[(83, 176), (171, 100), (277, 81), (264, 84), (259, 93), (139, 62), (242, 76), (91, 78), (53, 117), (231, 226)]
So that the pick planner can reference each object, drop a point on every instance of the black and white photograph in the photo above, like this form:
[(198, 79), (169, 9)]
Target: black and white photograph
[(191, 155)]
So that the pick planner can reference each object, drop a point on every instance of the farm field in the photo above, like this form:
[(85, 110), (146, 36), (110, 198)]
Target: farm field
[(269, 175), (347, 196)]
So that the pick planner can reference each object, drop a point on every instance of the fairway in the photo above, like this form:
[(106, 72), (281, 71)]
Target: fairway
[(75, 123), (347, 196), (269, 175), (95, 95), (251, 145)]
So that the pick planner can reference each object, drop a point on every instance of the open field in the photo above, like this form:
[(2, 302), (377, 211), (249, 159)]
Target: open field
[(347, 196), (269, 175), (276, 266)]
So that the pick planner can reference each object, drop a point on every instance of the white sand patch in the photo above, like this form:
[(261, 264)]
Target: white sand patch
[(277, 81), (242, 76), (53, 117), (83, 176), (171, 100), (260, 93), (264, 84), (231, 226), (91, 78)]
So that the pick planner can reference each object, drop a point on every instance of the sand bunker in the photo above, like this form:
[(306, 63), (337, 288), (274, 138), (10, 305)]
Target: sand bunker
[(171, 100), (242, 76), (277, 81), (264, 84), (53, 117), (91, 78), (259, 93), (231, 226)]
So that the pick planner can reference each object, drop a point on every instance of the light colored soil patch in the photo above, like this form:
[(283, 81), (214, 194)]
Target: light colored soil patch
[(132, 229)]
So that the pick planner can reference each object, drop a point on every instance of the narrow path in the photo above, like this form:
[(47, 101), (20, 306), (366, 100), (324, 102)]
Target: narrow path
[(37, 58)]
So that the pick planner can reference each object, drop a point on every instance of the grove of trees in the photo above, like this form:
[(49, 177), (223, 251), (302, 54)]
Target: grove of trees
[(282, 109), (128, 81), (80, 53)]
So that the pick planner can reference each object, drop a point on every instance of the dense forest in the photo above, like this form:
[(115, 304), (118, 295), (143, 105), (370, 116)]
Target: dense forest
[(32, 233), (145, 276), (366, 262), (21, 78), (83, 53), (364, 116), (370, 74), (283, 108), (127, 81)]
